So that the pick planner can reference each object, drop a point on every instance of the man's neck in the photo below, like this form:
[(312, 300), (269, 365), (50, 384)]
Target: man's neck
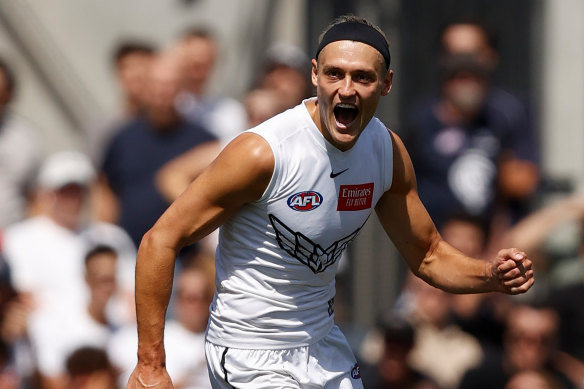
[(164, 123), (67, 223)]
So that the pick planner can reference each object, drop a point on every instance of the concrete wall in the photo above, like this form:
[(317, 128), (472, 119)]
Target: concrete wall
[(563, 89)]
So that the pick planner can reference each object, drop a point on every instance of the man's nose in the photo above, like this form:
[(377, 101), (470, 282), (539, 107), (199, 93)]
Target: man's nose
[(347, 88)]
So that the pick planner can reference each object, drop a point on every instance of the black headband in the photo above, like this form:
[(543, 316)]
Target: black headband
[(355, 31)]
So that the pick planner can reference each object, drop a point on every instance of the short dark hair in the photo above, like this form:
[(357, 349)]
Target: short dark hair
[(475, 220), (86, 360), (9, 77), (128, 47), (98, 250), (197, 32), (397, 330)]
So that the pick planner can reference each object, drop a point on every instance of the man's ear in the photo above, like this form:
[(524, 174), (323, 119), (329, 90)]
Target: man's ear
[(314, 72), (387, 82)]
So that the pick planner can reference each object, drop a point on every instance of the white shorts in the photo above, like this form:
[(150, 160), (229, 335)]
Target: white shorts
[(327, 364)]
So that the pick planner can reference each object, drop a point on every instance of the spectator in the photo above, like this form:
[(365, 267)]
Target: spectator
[(479, 152), (470, 37), (537, 230), (50, 269), (529, 344), (462, 140), (131, 60), (480, 315), (16, 366), (286, 70), (519, 174), (263, 103), (89, 368), (20, 153), (428, 310), (57, 333), (467, 233), (143, 145), (184, 334), (222, 116), (393, 369), (565, 288)]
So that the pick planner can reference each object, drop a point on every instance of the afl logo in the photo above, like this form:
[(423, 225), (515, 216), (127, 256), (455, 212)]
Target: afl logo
[(305, 201), (356, 372)]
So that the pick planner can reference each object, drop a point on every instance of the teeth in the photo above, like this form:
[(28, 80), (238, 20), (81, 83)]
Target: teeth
[(342, 105)]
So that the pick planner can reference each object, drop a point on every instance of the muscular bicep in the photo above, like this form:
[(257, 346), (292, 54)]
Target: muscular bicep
[(402, 214), (240, 174)]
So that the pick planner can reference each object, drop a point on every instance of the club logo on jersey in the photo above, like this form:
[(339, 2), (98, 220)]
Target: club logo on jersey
[(311, 254), (355, 197), (305, 201), (356, 372)]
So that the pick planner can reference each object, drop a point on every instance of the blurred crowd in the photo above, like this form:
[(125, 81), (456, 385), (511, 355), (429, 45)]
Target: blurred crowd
[(476, 154), (71, 222)]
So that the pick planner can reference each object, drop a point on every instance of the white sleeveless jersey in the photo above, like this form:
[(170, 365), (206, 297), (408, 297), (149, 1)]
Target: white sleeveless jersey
[(276, 258)]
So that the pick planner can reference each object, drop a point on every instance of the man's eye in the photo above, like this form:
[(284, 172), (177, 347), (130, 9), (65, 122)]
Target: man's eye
[(363, 78), (334, 74)]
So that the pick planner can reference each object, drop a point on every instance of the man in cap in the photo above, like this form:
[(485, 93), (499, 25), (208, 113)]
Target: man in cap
[(46, 251)]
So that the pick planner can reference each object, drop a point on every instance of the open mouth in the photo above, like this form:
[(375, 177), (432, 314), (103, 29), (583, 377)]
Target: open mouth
[(345, 114)]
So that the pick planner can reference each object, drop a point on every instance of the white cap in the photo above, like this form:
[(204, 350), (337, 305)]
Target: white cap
[(290, 55), (66, 167)]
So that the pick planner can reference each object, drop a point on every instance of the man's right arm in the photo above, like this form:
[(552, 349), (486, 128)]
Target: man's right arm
[(240, 174)]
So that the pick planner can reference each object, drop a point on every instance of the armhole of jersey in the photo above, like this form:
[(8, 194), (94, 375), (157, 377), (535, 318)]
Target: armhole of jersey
[(388, 160), (275, 174)]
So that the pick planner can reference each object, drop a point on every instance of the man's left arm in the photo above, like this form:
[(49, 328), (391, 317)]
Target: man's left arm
[(407, 223)]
